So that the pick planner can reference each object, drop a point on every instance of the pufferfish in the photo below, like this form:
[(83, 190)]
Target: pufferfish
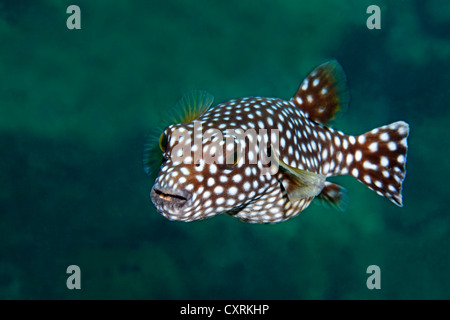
[(211, 165)]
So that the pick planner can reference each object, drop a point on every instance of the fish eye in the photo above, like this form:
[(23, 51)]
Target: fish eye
[(199, 163), (163, 142), (233, 158), (233, 153)]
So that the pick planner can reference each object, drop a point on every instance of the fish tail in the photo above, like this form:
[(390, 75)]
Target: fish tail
[(380, 160)]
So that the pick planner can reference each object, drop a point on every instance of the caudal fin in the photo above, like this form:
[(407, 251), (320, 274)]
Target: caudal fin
[(380, 159)]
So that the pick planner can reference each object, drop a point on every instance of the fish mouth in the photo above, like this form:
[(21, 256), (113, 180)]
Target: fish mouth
[(170, 202)]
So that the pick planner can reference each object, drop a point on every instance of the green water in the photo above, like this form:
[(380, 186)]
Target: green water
[(76, 107)]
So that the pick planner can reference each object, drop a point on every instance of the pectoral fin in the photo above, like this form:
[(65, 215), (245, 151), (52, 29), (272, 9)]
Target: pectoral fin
[(299, 184), (193, 105)]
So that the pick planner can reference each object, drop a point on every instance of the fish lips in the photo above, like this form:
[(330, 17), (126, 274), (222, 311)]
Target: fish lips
[(170, 202)]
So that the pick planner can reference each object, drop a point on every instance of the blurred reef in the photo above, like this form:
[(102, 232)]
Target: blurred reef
[(76, 107)]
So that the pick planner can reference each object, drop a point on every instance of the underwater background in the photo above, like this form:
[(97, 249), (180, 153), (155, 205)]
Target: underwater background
[(76, 107)]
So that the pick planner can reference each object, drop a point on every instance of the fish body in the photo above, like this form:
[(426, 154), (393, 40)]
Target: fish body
[(263, 160)]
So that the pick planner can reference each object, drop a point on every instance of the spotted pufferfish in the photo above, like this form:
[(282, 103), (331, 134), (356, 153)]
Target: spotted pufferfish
[(306, 152)]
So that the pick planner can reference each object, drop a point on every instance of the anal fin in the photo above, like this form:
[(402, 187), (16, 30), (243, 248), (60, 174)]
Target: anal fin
[(333, 195)]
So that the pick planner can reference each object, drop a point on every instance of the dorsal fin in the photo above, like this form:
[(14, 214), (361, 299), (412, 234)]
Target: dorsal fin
[(323, 92)]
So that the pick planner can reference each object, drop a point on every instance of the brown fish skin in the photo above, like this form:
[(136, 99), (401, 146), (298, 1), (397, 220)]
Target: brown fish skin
[(307, 150)]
